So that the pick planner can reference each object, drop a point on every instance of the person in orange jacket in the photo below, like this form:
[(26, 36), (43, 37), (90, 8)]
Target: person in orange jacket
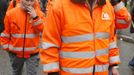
[(80, 39), (21, 36)]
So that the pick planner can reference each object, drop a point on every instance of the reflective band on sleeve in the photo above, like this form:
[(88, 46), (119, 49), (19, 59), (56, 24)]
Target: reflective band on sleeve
[(113, 45), (5, 46), (21, 48), (121, 21), (77, 54), (22, 35), (37, 22), (101, 68), (102, 52), (45, 45), (114, 59), (78, 70), (51, 66), (119, 6), (79, 38), (4, 35), (102, 35)]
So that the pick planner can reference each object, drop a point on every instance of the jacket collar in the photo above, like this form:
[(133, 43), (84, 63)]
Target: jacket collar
[(99, 2)]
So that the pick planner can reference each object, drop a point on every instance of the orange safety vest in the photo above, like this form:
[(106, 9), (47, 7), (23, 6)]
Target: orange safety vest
[(76, 39), (22, 34)]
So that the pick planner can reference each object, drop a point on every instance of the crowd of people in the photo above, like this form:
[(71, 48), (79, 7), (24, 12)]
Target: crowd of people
[(69, 37)]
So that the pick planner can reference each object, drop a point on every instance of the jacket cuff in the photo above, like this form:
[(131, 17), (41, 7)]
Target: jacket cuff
[(37, 21), (114, 60), (51, 67)]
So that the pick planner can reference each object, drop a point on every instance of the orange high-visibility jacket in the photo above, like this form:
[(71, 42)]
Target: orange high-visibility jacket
[(11, 4), (76, 39), (122, 16), (22, 34)]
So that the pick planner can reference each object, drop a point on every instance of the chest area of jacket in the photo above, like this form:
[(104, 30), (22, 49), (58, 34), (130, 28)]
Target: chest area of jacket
[(20, 23), (83, 19)]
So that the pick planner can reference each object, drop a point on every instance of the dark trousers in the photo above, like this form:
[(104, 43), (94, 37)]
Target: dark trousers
[(18, 63), (131, 62)]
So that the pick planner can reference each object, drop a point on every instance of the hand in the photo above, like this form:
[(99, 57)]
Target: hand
[(115, 71), (114, 2), (31, 11)]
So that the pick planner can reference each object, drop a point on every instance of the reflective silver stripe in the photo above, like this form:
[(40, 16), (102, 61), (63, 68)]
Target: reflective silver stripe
[(113, 45), (85, 37), (37, 22), (78, 70), (21, 48), (78, 38), (119, 6), (121, 21), (114, 59), (45, 45), (101, 68), (4, 35), (102, 35), (5, 46), (51, 66), (102, 52), (22, 35), (77, 54)]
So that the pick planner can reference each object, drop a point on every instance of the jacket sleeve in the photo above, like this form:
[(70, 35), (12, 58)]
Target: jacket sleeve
[(5, 35), (39, 22), (114, 58), (122, 16), (49, 53)]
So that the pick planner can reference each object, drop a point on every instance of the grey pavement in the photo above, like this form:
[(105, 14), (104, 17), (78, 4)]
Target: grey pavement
[(126, 54)]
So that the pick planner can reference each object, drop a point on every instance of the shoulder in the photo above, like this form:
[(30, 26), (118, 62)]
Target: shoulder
[(13, 11)]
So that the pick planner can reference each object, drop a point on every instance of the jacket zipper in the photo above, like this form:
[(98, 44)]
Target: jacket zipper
[(91, 14), (24, 36)]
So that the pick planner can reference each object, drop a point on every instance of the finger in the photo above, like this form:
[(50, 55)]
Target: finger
[(28, 9)]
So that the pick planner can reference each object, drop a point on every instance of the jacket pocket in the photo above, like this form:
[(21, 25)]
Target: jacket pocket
[(14, 28)]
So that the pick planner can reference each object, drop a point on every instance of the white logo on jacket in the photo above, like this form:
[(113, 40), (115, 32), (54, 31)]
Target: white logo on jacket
[(105, 16)]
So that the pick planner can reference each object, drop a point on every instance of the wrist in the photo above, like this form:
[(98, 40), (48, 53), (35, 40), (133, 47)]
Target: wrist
[(34, 18), (114, 66), (53, 73)]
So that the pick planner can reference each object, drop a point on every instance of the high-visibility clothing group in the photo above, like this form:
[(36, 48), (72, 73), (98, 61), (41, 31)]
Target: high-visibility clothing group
[(79, 38)]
